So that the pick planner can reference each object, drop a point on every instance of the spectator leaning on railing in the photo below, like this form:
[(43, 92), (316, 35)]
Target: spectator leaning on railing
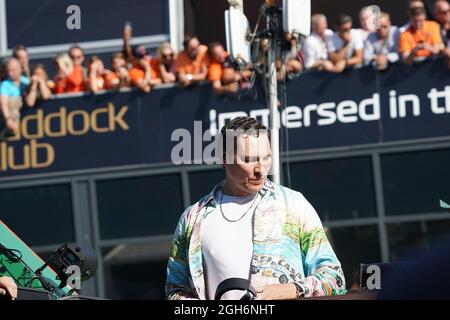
[(421, 40), (38, 89), (221, 73), (315, 45), (97, 75), (291, 65), (11, 93), (346, 46), (412, 4), (442, 16), (381, 46), (192, 63), (21, 53), (71, 79), (119, 76), (164, 64), (366, 22), (142, 75)]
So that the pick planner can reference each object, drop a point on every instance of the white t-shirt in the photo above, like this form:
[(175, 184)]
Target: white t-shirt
[(315, 48), (335, 42), (228, 246)]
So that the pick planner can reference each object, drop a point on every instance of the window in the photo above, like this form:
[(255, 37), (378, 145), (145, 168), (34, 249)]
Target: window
[(138, 207), (338, 189), (39, 215), (201, 183), (135, 271), (353, 246), (39, 23), (407, 240), (414, 182)]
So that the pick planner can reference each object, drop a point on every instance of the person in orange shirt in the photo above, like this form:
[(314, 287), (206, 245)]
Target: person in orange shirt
[(222, 73), (142, 75), (192, 63), (119, 76), (97, 75), (421, 40), (71, 79)]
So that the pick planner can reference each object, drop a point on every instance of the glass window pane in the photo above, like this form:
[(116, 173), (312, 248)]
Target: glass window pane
[(338, 189), (136, 271), (28, 20), (138, 207), (410, 239), (201, 183), (353, 246), (414, 182), (39, 215)]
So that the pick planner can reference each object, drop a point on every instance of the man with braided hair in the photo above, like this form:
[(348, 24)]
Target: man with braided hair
[(253, 229)]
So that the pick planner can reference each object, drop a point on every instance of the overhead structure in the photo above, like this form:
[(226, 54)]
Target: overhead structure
[(293, 17)]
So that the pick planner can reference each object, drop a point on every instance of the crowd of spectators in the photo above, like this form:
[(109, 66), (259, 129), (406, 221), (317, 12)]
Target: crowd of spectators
[(378, 44), (133, 67)]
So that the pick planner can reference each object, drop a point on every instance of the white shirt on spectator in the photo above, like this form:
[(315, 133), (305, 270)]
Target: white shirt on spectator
[(364, 33), (356, 43), (374, 46), (315, 48)]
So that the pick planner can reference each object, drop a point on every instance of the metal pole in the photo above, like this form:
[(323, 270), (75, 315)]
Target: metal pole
[(3, 31), (273, 106)]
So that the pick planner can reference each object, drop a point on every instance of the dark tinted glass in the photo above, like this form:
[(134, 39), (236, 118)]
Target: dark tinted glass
[(138, 207), (201, 183), (408, 240), (39, 215), (38, 23), (414, 182), (353, 246), (338, 189)]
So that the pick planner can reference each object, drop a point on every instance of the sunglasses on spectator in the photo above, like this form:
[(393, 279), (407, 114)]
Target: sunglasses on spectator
[(76, 57), (167, 56)]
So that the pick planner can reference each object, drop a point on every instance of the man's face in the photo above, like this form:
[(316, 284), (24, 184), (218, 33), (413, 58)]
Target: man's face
[(167, 56), (192, 48), (218, 54), (22, 56), (14, 70), (344, 30), (252, 162), (385, 25), (416, 4), (40, 73), (418, 21), (364, 20), (77, 56), (321, 26), (442, 12), (118, 63)]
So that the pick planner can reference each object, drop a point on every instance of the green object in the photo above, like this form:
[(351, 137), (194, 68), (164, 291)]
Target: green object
[(20, 262)]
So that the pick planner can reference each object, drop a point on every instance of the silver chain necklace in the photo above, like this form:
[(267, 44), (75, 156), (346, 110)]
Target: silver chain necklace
[(243, 215)]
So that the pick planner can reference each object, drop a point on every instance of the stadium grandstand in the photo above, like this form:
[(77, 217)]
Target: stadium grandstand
[(95, 97)]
